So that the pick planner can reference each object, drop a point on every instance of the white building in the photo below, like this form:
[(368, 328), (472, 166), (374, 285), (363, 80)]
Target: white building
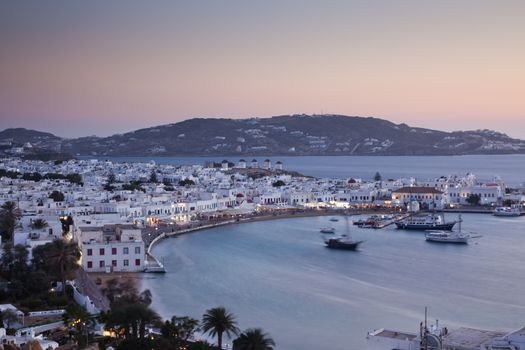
[(107, 248), (427, 197)]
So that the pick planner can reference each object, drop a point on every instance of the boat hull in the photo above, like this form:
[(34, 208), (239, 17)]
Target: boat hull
[(448, 240), (417, 227), (335, 244)]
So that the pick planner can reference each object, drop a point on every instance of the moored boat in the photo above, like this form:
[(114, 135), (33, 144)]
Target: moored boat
[(446, 237), (343, 242), (512, 211), (427, 222), (328, 230)]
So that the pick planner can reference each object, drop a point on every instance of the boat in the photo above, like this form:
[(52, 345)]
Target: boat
[(343, 242), (512, 211), (328, 230), (446, 237), (334, 219), (440, 236), (427, 222)]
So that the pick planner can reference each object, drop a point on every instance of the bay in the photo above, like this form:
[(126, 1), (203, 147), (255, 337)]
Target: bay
[(277, 275), (511, 168)]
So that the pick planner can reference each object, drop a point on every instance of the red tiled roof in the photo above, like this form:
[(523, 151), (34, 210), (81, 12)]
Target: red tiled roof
[(418, 189)]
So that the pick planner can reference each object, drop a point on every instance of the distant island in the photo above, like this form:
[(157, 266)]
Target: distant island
[(287, 135)]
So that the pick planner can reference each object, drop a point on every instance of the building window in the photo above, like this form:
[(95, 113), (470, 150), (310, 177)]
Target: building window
[(137, 250), (126, 262), (113, 251), (125, 250), (101, 263), (101, 251), (90, 264), (137, 262), (90, 252), (114, 263)]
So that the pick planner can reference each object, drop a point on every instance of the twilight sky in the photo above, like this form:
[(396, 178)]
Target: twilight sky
[(78, 68)]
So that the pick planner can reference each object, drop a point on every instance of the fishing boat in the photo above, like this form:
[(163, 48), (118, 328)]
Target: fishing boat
[(427, 222), (343, 242)]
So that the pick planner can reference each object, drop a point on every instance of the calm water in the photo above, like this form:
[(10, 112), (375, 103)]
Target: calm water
[(277, 275), (511, 168)]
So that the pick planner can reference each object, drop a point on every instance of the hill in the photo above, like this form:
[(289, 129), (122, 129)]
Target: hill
[(283, 135)]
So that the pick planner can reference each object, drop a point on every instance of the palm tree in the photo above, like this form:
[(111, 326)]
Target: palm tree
[(62, 258), (253, 339), (217, 321), (9, 215), (39, 224)]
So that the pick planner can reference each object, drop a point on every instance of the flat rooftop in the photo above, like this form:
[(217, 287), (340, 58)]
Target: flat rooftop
[(470, 338)]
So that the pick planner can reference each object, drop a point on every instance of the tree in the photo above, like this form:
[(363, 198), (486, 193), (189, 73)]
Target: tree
[(8, 317), (278, 183), (111, 178), (473, 199), (9, 216), (39, 224), (186, 182), (76, 318), (75, 178), (217, 321), (377, 176), (153, 177), (66, 222), (57, 196), (253, 339), (61, 259), (179, 329)]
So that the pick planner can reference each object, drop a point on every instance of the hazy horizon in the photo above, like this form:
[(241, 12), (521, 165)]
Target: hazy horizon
[(100, 68)]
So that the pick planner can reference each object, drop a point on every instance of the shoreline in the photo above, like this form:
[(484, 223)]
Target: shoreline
[(301, 214)]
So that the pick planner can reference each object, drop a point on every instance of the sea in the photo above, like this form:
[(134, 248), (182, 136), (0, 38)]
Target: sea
[(510, 168), (278, 276)]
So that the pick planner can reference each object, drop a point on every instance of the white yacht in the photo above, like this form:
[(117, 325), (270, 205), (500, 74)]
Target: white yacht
[(514, 210), (447, 237), (441, 236)]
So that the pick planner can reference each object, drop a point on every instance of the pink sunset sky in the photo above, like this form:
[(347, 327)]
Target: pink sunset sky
[(103, 67)]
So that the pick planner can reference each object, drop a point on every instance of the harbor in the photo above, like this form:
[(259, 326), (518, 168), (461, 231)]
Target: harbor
[(386, 283)]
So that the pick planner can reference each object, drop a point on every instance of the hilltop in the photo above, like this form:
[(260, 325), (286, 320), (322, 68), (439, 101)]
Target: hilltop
[(280, 135)]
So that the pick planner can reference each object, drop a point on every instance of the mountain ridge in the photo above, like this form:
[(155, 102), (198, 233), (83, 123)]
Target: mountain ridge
[(278, 135)]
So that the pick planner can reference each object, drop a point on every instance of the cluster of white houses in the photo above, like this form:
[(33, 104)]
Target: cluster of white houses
[(108, 221)]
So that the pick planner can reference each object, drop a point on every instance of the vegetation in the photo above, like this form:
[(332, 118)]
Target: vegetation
[(178, 330), (133, 186), (59, 258), (9, 216), (153, 177), (39, 224), (186, 182), (28, 284), (278, 183), (130, 312), (253, 339), (218, 321), (72, 178), (474, 199), (80, 322), (57, 196)]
